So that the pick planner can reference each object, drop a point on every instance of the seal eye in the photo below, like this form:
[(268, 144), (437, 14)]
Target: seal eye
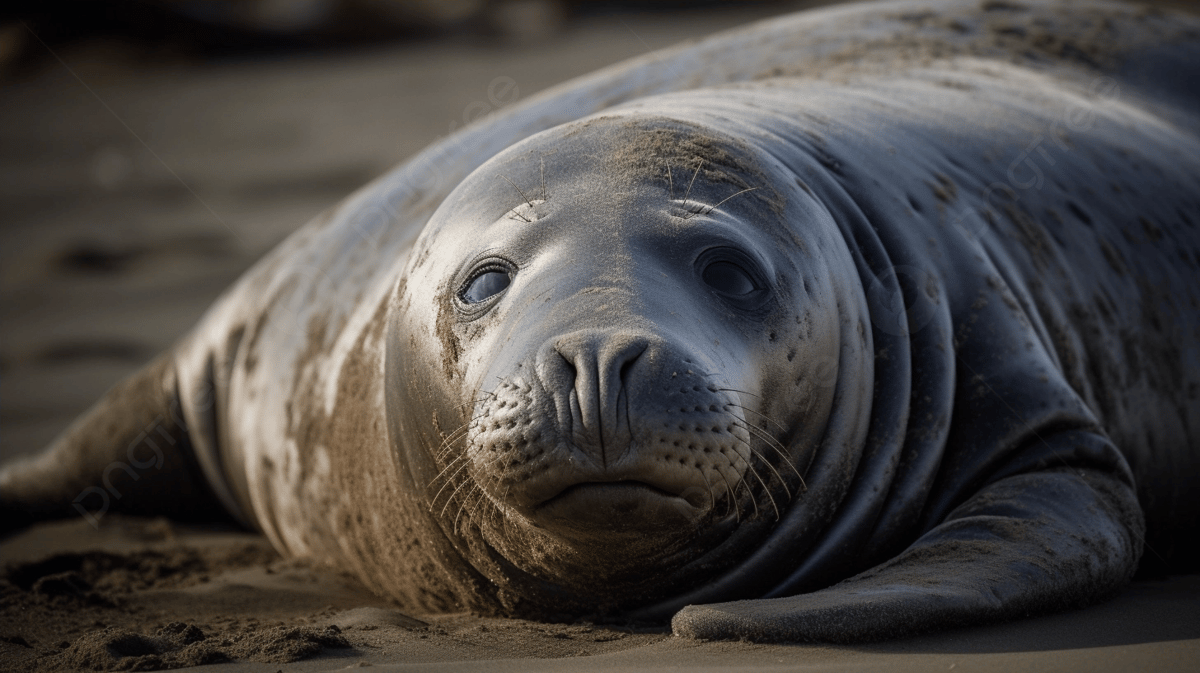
[(485, 285), (729, 279)]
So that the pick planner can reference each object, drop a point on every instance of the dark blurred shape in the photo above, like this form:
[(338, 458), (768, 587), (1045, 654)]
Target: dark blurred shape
[(239, 28), (284, 17), (95, 349), (97, 258), (226, 27)]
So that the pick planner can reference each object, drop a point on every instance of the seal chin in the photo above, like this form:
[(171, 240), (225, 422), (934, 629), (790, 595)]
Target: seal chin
[(617, 508)]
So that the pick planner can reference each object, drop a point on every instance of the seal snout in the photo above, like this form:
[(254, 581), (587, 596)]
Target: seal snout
[(612, 432), (588, 372)]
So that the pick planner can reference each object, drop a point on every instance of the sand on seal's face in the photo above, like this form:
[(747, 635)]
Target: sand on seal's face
[(605, 520)]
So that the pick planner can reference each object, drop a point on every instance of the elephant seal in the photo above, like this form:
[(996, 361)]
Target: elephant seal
[(848, 325)]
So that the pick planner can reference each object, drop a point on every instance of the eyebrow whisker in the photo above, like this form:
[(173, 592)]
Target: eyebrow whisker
[(514, 186), (718, 203), (689, 189)]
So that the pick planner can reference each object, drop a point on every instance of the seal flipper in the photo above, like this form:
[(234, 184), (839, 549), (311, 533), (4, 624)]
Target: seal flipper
[(1033, 542), (130, 453)]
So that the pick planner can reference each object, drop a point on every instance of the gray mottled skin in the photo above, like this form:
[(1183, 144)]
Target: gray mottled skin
[(962, 385)]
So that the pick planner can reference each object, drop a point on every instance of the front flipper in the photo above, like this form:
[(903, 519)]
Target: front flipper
[(1029, 543), (131, 452)]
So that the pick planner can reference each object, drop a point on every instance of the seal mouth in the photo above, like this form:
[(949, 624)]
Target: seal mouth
[(617, 506), (591, 489)]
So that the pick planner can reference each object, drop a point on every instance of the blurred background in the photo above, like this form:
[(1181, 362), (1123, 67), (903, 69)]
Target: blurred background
[(150, 151)]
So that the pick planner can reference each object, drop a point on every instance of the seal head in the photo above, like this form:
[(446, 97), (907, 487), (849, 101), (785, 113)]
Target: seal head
[(612, 297)]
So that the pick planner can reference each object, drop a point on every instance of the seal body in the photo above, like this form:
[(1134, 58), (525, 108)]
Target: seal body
[(798, 305)]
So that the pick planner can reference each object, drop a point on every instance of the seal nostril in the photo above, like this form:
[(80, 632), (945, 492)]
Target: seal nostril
[(627, 365), (593, 384), (570, 363)]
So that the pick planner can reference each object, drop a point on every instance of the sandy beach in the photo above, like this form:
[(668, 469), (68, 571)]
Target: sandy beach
[(135, 188), (144, 594)]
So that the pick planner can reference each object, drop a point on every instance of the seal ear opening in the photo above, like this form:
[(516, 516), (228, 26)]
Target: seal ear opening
[(129, 453)]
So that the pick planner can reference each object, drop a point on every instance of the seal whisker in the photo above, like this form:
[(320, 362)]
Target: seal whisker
[(735, 390), (750, 466), (475, 401), (466, 499), (778, 448), (455, 435), (465, 460), (712, 499), (441, 473), (436, 496), (453, 493), (730, 494), (461, 506), (718, 203), (749, 490), (466, 504), (768, 463), (742, 480), (498, 509), (542, 170), (485, 500), (688, 212), (494, 514), (783, 483), (670, 182), (693, 181), (527, 201), (514, 186), (458, 433), (759, 413)]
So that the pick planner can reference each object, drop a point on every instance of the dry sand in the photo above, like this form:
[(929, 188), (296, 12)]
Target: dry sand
[(140, 594), (133, 190)]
